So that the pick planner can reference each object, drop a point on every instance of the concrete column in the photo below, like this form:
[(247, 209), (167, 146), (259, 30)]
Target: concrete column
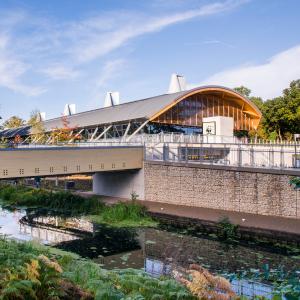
[(119, 183)]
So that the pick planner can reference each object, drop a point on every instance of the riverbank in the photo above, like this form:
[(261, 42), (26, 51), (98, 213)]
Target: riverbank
[(276, 228), (122, 214)]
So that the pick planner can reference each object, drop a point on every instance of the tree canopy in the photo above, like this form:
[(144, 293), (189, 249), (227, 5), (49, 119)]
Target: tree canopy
[(13, 122), (281, 115)]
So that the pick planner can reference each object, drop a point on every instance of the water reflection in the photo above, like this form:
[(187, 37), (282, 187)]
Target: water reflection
[(155, 251), (21, 225)]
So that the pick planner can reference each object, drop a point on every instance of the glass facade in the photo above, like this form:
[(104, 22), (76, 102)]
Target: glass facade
[(191, 111)]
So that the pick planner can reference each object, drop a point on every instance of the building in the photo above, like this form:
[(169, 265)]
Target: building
[(180, 111)]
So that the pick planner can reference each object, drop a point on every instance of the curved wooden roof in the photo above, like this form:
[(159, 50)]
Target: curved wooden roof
[(248, 106)]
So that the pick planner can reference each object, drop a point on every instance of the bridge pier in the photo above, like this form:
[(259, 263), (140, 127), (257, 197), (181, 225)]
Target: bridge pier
[(119, 183)]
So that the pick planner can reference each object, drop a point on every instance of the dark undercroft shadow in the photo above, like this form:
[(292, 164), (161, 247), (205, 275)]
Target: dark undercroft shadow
[(106, 241)]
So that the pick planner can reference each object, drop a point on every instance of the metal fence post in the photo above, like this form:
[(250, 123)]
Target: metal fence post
[(281, 157), (239, 155), (186, 153)]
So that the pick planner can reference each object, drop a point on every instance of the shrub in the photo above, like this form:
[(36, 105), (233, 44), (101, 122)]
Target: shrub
[(62, 201), (227, 230)]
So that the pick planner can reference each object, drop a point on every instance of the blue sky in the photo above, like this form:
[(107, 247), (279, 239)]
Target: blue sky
[(73, 51)]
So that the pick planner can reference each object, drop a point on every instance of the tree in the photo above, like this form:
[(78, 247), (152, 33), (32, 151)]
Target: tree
[(243, 90), (36, 127), (281, 115), (13, 122), (66, 133)]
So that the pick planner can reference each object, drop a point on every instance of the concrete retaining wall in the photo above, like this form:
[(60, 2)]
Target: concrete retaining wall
[(251, 191), (119, 183)]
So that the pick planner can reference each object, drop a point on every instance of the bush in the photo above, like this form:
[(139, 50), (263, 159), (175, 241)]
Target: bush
[(122, 211), (30, 272), (227, 230), (124, 214), (19, 196)]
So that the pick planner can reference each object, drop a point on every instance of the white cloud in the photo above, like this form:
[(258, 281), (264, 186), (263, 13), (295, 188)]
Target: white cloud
[(266, 80), (58, 72), (101, 43), (111, 69), (31, 44), (11, 71)]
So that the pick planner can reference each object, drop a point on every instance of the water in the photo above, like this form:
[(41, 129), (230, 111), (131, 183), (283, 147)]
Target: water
[(154, 250)]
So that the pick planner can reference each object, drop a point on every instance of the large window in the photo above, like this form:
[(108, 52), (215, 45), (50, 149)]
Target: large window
[(192, 110)]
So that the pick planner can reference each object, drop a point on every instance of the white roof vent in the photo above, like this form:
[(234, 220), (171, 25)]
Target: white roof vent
[(70, 109), (112, 99), (177, 84)]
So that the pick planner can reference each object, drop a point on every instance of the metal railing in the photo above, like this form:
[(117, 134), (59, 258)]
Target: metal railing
[(106, 143), (165, 138), (204, 139), (239, 155)]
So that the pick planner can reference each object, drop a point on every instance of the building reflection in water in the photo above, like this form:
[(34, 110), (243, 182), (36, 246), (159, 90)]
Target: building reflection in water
[(47, 236), (53, 229)]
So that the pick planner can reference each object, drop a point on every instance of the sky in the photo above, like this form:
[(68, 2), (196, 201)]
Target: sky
[(73, 51)]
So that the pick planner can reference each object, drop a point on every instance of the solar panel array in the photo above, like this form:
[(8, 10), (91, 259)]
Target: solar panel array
[(12, 132)]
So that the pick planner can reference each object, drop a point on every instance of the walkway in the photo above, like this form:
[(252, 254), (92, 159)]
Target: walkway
[(270, 223)]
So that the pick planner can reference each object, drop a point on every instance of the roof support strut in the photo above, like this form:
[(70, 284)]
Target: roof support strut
[(76, 135), (94, 133), (102, 133), (140, 128), (126, 131)]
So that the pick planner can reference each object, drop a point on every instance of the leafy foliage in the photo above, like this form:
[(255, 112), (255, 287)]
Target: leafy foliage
[(205, 285), (24, 196), (125, 214), (295, 181), (227, 230), (32, 273), (129, 214), (37, 127), (13, 122), (243, 90), (124, 284), (64, 133), (25, 274), (281, 115)]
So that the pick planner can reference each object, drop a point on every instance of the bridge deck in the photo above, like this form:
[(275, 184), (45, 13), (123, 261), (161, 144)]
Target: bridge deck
[(52, 161)]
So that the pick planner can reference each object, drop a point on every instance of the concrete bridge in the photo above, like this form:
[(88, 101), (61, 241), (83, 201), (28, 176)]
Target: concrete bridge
[(67, 160)]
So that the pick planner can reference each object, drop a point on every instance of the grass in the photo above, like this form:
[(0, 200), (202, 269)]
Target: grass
[(122, 214), (31, 272)]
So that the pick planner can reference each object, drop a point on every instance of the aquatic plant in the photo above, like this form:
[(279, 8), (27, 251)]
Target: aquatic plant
[(227, 230)]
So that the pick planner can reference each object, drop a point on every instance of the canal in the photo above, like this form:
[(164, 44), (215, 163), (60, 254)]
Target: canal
[(155, 250)]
